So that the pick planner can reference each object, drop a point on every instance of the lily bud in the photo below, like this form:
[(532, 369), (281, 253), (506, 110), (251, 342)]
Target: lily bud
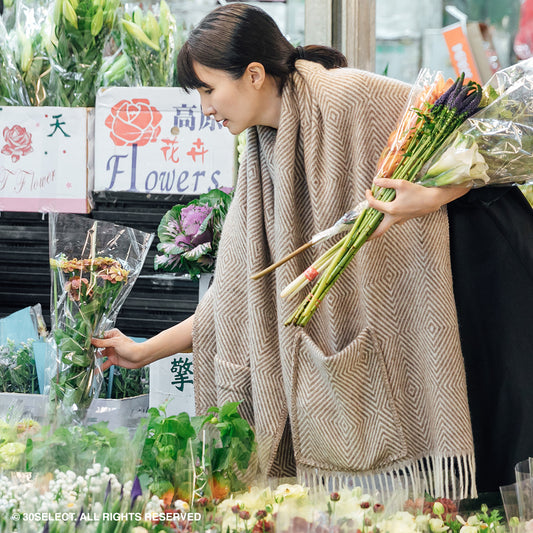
[(151, 27), (136, 32), (26, 54), (97, 22), (164, 14), (69, 13), (438, 508), (58, 9), (138, 17)]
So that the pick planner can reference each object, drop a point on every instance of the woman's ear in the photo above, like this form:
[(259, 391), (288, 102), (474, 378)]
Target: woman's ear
[(255, 72)]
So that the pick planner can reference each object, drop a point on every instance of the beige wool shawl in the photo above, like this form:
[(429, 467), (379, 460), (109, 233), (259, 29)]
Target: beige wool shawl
[(374, 386)]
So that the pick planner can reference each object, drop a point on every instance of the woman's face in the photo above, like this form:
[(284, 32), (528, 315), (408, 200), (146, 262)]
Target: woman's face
[(235, 103)]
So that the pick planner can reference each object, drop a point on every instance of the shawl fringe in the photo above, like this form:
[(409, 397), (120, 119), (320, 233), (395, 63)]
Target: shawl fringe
[(450, 477)]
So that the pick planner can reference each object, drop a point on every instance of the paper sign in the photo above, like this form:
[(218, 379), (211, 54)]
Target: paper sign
[(460, 51), (171, 384), (45, 159), (157, 140)]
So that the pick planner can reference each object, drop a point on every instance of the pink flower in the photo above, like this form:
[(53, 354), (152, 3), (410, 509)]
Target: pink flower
[(18, 142)]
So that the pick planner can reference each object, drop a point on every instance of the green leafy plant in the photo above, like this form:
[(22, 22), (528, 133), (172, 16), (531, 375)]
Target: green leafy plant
[(189, 234), (122, 383), (190, 458), (17, 368)]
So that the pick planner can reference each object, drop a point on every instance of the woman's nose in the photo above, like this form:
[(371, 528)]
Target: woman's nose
[(208, 110)]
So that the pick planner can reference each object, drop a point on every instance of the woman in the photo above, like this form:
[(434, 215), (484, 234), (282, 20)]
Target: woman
[(373, 391)]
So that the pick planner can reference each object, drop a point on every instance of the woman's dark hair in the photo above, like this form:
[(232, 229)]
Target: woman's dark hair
[(236, 34)]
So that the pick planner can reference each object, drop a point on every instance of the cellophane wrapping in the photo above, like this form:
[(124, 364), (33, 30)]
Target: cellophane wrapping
[(94, 265)]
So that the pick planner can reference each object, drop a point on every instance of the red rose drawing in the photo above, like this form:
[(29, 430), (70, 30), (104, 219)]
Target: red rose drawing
[(134, 122), (18, 142)]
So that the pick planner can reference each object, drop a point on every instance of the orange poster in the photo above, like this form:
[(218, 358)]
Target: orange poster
[(460, 52)]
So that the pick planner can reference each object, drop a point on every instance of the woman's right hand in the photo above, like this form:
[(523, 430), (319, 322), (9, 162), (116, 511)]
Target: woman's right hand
[(120, 350)]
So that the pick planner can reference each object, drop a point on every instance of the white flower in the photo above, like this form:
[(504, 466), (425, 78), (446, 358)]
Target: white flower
[(459, 164), (290, 491), (182, 506), (400, 522), (139, 529), (469, 529), (436, 525)]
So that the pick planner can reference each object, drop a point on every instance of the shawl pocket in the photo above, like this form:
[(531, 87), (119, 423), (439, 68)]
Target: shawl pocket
[(343, 415), (233, 384)]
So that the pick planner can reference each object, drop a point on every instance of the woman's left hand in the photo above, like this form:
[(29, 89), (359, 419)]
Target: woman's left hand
[(411, 201)]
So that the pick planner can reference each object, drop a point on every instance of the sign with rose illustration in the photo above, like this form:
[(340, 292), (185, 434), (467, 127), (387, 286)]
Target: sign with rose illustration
[(156, 140), (44, 159)]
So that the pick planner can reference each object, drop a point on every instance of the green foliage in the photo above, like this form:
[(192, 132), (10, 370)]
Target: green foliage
[(126, 382), (17, 368), (186, 454)]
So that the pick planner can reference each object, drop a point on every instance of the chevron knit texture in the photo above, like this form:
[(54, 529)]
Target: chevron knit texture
[(374, 387)]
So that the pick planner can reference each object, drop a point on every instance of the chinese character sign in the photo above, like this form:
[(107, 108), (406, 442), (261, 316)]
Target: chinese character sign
[(157, 140), (172, 384), (44, 159)]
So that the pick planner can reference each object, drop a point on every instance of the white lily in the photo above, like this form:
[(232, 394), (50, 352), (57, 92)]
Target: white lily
[(460, 163), (436, 525)]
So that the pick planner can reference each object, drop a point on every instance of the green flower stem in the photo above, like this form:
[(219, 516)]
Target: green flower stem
[(426, 140)]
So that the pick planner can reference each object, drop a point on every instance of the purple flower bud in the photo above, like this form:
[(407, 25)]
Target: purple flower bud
[(136, 490)]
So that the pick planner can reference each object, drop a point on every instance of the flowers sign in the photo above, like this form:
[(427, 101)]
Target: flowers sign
[(190, 234), (18, 142), (156, 140)]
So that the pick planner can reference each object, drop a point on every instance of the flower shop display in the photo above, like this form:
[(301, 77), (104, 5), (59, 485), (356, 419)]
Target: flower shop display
[(59, 54), (183, 474), (94, 265), (435, 144), (189, 234)]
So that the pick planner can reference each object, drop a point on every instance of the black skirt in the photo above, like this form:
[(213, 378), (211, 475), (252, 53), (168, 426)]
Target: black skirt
[(491, 240)]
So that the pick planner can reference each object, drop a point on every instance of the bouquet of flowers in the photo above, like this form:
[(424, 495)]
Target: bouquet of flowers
[(190, 234), (449, 135), (494, 146), (94, 265)]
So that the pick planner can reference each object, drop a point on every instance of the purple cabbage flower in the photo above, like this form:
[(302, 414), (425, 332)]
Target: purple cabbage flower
[(191, 219)]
